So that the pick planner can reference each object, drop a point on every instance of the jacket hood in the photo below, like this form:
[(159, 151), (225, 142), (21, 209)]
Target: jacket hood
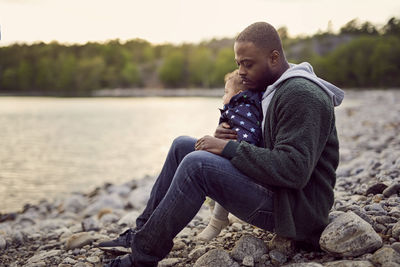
[(305, 70)]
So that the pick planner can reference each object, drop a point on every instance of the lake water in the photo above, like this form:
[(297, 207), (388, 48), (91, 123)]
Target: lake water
[(52, 146)]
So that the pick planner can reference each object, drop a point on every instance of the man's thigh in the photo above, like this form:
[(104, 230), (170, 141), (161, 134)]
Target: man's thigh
[(235, 191)]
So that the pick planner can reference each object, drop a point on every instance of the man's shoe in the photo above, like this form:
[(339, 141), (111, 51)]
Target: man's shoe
[(123, 240), (124, 261)]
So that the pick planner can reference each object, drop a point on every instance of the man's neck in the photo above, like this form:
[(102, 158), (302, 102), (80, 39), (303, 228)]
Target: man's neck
[(285, 66)]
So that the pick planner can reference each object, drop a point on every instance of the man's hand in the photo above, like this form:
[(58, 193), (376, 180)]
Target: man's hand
[(225, 132), (211, 144)]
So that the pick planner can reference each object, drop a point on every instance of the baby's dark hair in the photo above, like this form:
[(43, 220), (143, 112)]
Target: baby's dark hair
[(237, 81), (262, 35)]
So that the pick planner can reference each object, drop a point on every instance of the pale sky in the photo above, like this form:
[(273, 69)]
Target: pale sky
[(176, 21)]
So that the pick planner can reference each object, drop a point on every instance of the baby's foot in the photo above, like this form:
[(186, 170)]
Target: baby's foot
[(213, 229)]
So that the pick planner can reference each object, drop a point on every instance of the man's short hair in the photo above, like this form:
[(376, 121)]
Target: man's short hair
[(262, 35)]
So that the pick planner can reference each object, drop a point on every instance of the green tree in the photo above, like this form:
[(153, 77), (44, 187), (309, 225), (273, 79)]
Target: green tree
[(9, 80), (171, 72), (224, 63), (130, 74), (66, 71), (385, 61), (45, 74), (89, 73), (392, 27), (200, 66)]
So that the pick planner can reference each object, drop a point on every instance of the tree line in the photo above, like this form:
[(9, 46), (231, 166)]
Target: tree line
[(361, 55)]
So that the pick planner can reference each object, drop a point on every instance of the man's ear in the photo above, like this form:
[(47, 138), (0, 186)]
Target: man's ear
[(274, 57)]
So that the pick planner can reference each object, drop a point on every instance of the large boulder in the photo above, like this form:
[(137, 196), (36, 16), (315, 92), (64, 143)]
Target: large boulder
[(348, 263), (216, 257), (349, 235), (386, 256), (249, 245)]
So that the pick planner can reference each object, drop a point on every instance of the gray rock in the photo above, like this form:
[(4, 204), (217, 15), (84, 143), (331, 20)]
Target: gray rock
[(349, 235), (49, 225), (69, 260), (385, 220), (216, 257), (93, 259), (90, 224), (3, 243), (277, 257), (248, 261), (129, 219), (75, 203), (121, 190), (169, 262), (396, 246), (78, 240), (249, 245), (138, 198), (348, 263), (18, 237), (376, 189), (396, 230), (109, 218), (304, 264), (197, 253), (392, 189), (102, 202), (178, 245), (284, 245), (36, 264), (334, 214), (43, 255), (237, 226), (384, 256), (374, 207)]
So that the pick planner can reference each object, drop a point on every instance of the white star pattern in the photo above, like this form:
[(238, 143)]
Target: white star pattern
[(227, 112), (241, 122), (237, 129), (252, 130), (233, 116), (247, 105), (245, 135), (237, 111), (248, 114)]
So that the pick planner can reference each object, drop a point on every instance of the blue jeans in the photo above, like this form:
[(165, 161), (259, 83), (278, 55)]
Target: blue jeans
[(187, 177)]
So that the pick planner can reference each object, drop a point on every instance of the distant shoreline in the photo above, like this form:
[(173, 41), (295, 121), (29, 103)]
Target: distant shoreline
[(144, 92), (129, 92), (181, 92)]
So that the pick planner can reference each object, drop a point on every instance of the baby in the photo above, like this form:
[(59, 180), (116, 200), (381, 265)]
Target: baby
[(242, 111)]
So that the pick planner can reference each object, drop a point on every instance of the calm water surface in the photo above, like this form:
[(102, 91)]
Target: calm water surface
[(52, 146)]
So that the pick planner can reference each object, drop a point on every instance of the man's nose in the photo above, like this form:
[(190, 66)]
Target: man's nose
[(242, 71)]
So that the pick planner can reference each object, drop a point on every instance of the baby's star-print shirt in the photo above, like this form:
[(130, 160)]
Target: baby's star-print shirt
[(244, 114)]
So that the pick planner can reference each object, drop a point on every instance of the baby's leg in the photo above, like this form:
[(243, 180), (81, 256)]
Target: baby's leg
[(219, 220), (220, 213)]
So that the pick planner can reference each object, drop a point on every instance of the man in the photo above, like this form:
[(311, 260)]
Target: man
[(286, 187)]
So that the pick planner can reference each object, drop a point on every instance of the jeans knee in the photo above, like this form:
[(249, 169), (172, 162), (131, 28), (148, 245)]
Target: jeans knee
[(180, 140), (183, 144), (195, 160)]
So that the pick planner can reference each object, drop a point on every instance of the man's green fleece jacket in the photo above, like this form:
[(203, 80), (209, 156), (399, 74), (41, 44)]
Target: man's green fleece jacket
[(299, 160)]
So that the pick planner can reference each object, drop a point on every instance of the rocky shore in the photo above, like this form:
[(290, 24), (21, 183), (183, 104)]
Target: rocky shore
[(364, 228)]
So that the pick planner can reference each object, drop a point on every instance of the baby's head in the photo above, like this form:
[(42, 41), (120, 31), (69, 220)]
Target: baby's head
[(233, 86)]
